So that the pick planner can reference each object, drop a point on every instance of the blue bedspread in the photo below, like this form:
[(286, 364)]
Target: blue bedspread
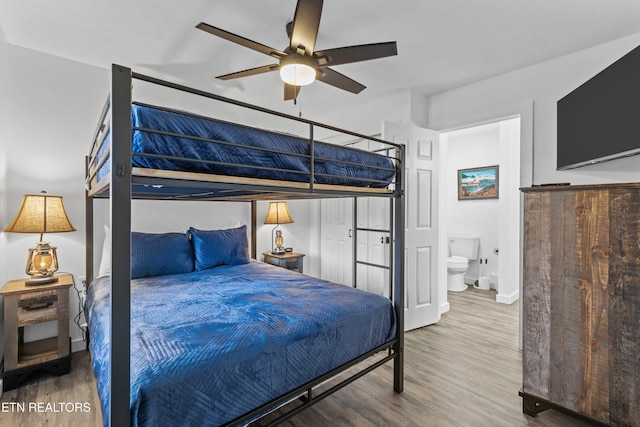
[(244, 160), (209, 346)]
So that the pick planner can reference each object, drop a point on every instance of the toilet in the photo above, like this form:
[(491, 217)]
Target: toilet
[(462, 249)]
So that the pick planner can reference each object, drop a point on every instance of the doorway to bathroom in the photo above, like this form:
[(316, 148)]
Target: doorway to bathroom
[(480, 198)]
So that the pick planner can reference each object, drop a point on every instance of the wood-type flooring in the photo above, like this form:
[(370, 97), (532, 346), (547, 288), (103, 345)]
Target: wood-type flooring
[(463, 371)]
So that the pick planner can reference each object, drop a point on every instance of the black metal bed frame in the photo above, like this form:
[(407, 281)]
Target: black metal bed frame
[(120, 189)]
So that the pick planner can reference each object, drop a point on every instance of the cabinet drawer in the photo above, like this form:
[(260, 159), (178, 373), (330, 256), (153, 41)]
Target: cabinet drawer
[(36, 307), (291, 264)]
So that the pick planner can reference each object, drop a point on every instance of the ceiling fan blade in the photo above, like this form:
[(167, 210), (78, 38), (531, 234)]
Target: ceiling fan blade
[(349, 54), (305, 25), (275, 53), (291, 92), (249, 72), (334, 78)]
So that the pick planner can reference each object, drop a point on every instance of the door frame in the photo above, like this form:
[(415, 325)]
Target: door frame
[(525, 110)]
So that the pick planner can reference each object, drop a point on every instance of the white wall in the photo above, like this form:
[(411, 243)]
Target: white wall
[(509, 270), (543, 84), (4, 143), (367, 118), (532, 93), (49, 110), (471, 148), (50, 115)]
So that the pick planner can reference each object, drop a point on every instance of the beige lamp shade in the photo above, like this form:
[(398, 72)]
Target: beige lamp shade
[(278, 213), (40, 214)]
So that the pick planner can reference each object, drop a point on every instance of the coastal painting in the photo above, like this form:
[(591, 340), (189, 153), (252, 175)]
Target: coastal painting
[(478, 183)]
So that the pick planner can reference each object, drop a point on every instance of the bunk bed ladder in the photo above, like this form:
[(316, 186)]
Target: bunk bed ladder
[(395, 248), (385, 240)]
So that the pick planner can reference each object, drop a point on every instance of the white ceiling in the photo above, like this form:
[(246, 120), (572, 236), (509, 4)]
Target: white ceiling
[(442, 44)]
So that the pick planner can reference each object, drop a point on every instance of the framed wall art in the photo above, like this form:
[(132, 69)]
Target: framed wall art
[(478, 183)]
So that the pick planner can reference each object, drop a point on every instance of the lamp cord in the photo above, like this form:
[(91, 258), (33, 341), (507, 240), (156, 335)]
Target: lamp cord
[(77, 317)]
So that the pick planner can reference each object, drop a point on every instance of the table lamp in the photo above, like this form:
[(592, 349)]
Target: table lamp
[(41, 214), (278, 214)]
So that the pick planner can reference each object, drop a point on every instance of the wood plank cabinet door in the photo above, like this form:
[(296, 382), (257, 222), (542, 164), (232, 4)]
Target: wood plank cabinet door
[(581, 300)]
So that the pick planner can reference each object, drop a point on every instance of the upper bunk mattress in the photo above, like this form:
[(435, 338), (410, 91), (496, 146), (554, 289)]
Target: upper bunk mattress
[(208, 346), (258, 153)]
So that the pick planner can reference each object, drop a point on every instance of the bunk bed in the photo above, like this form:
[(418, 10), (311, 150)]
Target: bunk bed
[(124, 163)]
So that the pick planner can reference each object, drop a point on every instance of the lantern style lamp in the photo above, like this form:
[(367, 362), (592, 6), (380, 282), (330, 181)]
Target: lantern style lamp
[(41, 214), (278, 214)]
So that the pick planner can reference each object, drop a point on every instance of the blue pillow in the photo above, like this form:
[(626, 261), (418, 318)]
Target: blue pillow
[(160, 254), (219, 247)]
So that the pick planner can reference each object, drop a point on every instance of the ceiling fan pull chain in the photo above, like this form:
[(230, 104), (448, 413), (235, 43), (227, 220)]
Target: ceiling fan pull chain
[(299, 104)]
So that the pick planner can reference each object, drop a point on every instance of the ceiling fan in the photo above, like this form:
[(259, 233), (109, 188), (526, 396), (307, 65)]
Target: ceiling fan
[(299, 64)]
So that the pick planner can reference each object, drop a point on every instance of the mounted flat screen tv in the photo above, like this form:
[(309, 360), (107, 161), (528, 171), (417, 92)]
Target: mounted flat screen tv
[(600, 120)]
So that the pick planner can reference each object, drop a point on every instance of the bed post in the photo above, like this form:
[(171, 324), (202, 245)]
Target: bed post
[(254, 222), (354, 242), (120, 210), (88, 236), (398, 276)]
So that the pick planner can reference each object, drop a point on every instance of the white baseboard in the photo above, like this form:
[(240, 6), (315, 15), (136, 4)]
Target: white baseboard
[(508, 299), (444, 308)]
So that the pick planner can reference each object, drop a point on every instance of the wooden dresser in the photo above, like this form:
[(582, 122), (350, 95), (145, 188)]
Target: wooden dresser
[(581, 301)]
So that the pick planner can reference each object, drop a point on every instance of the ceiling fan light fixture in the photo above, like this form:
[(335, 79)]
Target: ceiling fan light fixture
[(297, 70), (300, 63)]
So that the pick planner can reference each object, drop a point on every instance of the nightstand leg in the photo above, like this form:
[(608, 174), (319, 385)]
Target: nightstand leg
[(11, 332), (63, 322)]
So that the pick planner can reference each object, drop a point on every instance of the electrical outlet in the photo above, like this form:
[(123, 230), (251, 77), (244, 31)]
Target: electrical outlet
[(83, 280)]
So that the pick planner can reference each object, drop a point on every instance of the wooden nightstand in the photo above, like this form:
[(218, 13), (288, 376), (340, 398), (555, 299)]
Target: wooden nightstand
[(288, 260), (29, 305)]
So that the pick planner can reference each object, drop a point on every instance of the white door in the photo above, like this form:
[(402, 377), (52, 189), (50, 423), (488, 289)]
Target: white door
[(421, 236), (336, 245)]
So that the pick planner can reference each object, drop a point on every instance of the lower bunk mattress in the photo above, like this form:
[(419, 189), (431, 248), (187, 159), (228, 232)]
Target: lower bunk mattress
[(209, 346)]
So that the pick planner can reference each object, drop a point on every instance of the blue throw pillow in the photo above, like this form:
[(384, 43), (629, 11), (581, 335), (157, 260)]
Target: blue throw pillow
[(160, 254), (219, 247)]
